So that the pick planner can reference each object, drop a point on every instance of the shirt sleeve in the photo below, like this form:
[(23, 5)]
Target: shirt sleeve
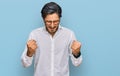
[(26, 60), (75, 61)]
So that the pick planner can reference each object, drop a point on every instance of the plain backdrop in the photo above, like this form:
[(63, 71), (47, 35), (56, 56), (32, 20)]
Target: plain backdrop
[(96, 24)]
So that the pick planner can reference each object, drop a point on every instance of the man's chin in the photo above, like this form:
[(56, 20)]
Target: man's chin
[(52, 32)]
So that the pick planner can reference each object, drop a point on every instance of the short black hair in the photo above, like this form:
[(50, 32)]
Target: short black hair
[(51, 8)]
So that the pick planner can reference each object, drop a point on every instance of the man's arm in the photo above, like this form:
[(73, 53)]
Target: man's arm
[(29, 51), (75, 52), (76, 56)]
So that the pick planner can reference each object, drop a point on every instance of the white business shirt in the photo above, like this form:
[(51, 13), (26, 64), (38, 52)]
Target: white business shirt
[(52, 55)]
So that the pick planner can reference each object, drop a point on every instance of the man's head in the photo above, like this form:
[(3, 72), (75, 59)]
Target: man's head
[(51, 14)]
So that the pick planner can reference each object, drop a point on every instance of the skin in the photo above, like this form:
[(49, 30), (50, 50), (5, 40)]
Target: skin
[(51, 23)]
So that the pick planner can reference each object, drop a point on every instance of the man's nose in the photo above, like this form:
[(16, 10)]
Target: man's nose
[(52, 24)]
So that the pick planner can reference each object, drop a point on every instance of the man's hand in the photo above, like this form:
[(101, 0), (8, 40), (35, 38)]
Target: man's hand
[(31, 46), (76, 45)]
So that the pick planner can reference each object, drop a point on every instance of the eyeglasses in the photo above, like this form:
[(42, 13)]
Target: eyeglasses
[(50, 22)]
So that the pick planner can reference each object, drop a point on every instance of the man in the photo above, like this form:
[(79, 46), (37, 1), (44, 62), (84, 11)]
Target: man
[(51, 45)]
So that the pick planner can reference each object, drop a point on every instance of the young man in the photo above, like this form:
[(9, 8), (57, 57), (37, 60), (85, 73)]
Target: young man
[(51, 45)]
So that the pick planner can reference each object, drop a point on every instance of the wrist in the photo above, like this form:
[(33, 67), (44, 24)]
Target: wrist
[(29, 54), (77, 55)]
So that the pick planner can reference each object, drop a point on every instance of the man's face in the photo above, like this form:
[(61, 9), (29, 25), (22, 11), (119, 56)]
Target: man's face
[(52, 22)]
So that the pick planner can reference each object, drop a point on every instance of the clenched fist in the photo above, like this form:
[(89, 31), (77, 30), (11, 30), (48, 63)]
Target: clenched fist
[(76, 45), (31, 46)]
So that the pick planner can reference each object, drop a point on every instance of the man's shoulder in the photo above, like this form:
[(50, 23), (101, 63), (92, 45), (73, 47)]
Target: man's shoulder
[(37, 30), (67, 29)]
